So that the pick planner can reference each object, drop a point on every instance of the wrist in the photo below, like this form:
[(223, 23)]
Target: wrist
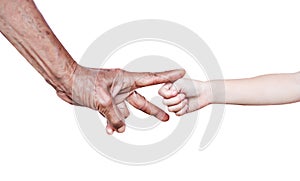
[(215, 91), (207, 92), (83, 86), (64, 79)]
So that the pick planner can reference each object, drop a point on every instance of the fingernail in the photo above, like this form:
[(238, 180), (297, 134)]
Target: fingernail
[(168, 86), (165, 117)]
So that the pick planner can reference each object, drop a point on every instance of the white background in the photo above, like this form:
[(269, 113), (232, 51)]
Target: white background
[(39, 137)]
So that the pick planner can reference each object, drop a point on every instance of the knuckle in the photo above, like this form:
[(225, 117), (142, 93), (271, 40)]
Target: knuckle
[(117, 72), (105, 101), (151, 74), (144, 105), (126, 115), (117, 124)]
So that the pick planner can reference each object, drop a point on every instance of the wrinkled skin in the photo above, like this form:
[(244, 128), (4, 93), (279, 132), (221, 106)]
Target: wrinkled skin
[(107, 90), (104, 90)]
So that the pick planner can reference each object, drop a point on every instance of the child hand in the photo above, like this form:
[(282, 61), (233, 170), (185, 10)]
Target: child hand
[(185, 96)]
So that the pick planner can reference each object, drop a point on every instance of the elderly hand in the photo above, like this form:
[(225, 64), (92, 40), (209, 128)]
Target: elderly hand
[(107, 90), (104, 90)]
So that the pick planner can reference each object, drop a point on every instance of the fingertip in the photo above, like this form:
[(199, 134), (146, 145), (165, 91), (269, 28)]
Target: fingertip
[(178, 114), (165, 117), (109, 130), (182, 72), (121, 129), (170, 109)]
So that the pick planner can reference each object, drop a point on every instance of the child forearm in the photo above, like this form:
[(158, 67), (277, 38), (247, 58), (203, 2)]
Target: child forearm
[(262, 90)]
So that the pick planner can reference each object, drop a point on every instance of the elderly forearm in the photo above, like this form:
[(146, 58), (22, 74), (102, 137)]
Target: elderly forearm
[(262, 90), (24, 26)]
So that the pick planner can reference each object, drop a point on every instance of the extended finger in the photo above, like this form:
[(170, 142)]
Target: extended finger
[(149, 78), (139, 102)]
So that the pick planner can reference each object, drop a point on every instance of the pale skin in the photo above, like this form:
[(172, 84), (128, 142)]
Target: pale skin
[(186, 95), (104, 90)]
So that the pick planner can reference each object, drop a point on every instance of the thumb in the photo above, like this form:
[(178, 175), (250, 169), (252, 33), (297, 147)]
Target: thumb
[(142, 79)]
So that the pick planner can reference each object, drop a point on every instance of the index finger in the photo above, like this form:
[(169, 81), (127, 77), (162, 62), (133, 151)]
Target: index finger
[(149, 78)]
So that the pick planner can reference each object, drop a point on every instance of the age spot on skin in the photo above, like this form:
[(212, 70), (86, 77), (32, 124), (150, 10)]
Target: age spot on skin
[(47, 32)]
